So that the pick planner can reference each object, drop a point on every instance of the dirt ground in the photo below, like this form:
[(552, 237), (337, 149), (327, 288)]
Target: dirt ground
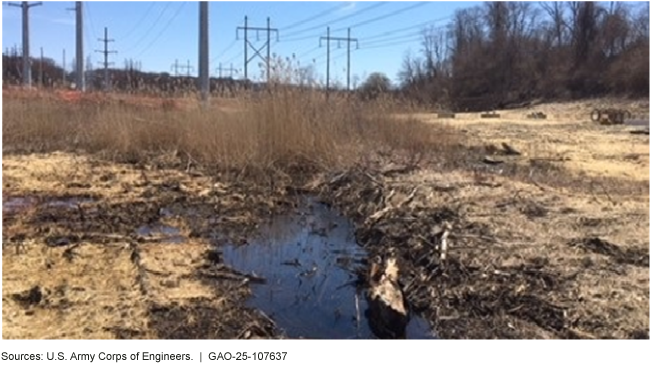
[(549, 243)]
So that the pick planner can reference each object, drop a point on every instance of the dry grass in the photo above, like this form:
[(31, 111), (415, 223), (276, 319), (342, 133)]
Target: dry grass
[(80, 300), (270, 132)]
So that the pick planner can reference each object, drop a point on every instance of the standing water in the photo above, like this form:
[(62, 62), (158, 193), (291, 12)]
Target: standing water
[(309, 261)]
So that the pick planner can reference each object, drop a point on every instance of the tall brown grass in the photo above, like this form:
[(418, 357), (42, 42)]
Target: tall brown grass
[(284, 130)]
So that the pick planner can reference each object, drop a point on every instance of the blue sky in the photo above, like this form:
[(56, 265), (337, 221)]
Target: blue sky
[(158, 33)]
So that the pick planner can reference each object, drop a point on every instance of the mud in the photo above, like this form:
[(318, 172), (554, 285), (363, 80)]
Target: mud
[(480, 257), (17, 204), (469, 294)]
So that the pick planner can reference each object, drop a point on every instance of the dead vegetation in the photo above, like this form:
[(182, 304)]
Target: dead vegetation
[(278, 132), (508, 229)]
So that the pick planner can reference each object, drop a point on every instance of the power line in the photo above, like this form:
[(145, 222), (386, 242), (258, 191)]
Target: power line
[(385, 45), (381, 17), (380, 39), (321, 14), (405, 37), (155, 22), (232, 44), (400, 30), (234, 57), (302, 55), (90, 20), (178, 11), (88, 28), (357, 13), (140, 21)]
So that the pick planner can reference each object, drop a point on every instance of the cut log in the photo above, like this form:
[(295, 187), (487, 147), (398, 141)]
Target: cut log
[(490, 115), (387, 310), (446, 115)]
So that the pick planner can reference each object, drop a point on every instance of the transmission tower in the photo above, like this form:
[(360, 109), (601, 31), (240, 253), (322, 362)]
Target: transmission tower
[(230, 70), (106, 52), (258, 51), (339, 40)]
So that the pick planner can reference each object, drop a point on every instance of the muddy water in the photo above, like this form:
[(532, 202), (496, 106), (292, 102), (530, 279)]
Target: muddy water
[(18, 204), (165, 233), (309, 261), (15, 204)]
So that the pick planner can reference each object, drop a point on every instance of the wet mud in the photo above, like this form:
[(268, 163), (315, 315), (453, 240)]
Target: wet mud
[(238, 260)]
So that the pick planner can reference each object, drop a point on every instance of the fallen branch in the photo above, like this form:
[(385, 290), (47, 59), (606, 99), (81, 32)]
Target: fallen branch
[(640, 131), (509, 150), (232, 276), (556, 159), (443, 243), (381, 213)]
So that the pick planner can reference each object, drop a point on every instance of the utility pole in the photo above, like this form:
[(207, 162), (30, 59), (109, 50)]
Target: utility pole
[(64, 67), (229, 70), (91, 71), (268, 50), (204, 60), (175, 67), (327, 73), (79, 47), (106, 52), (40, 69), (257, 53), (27, 67), (188, 68), (339, 40)]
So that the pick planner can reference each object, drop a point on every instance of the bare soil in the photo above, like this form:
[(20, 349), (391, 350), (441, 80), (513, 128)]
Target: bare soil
[(550, 243)]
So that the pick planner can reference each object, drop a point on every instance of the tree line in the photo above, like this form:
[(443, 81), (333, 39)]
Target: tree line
[(504, 53)]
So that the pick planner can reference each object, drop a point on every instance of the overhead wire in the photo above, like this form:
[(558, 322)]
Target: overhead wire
[(146, 33), (140, 21), (302, 55), (86, 9), (232, 44), (378, 41), (88, 30), (320, 26), (385, 45), (234, 57), (314, 17), (400, 30), (178, 11), (385, 16), (404, 37)]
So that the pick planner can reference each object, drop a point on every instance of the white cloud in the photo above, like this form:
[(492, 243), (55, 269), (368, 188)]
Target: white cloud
[(350, 6), (69, 21), (64, 21)]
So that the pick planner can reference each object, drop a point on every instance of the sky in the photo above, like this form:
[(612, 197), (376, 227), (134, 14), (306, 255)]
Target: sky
[(156, 34)]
